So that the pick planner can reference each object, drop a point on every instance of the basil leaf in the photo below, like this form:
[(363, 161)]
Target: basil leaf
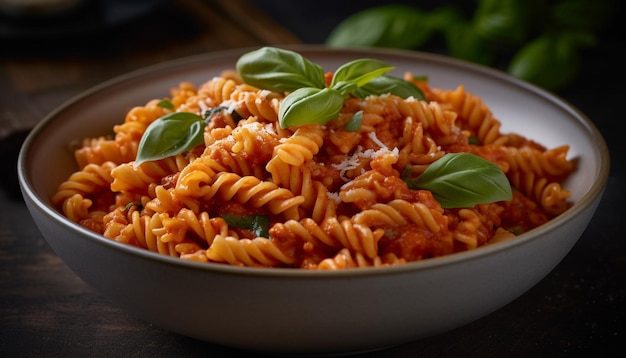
[(279, 70), (258, 224), (395, 26), (463, 180), (309, 106), (388, 84), (360, 71), (354, 124), (345, 87), (169, 135)]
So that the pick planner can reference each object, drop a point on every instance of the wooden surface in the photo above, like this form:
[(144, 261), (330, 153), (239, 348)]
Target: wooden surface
[(46, 311)]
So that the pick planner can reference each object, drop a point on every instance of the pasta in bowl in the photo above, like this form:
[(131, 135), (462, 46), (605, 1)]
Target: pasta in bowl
[(284, 178)]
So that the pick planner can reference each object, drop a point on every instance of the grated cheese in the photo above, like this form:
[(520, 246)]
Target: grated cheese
[(204, 107), (232, 105), (354, 161), (333, 196), (375, 139)]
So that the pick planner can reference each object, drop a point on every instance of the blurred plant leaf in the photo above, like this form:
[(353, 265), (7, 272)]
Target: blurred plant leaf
[(441, 18), (550, 61), (582, 15), (537, 40), (464, 43), (502, 20), (394, 26)]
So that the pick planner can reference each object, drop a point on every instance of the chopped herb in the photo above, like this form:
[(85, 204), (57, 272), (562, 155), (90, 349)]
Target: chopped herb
[(354, 124), (166, 104), (258, 224)]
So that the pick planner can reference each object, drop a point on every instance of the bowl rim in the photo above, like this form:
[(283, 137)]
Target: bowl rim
[(585, 201)]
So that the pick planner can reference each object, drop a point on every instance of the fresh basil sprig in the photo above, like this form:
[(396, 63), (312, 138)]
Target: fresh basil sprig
[(170, 135), (359, 72), (309, 105), (279, 70), (309, 100), (460, 180), (392, 85)]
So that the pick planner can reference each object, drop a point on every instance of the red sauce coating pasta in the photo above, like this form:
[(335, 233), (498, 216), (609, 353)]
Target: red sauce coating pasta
[(334, 198)]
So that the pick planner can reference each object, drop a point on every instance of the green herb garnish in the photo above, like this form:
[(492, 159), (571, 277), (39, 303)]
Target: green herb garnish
[(354, 124), (388, 84), (167, 104), (456, 180), (258, 224), (309, 100), (309, 105), (460, 180), (279, 70), (169, 135)]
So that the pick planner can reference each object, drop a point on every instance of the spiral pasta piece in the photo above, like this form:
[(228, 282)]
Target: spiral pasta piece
[(251, 190), (345, 259), (551, 196), (551, 163), (294, 151), (103, 149), (90, 179), (417, 150), (141, 230), (162, 200), (398, 213), (201, 225), (247, 252), (474, 114), (262, 105), (128, 176), (220, 89), (431, 115), (334, 233), (76, 207)]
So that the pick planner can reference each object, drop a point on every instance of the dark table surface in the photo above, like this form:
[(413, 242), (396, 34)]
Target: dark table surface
[(579, 309)]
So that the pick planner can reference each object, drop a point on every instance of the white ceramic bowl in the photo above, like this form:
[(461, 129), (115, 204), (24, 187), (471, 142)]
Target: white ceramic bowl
[(299, 311)]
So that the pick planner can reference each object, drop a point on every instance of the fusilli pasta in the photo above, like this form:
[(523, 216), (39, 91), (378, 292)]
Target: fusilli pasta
[(333, 198)]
